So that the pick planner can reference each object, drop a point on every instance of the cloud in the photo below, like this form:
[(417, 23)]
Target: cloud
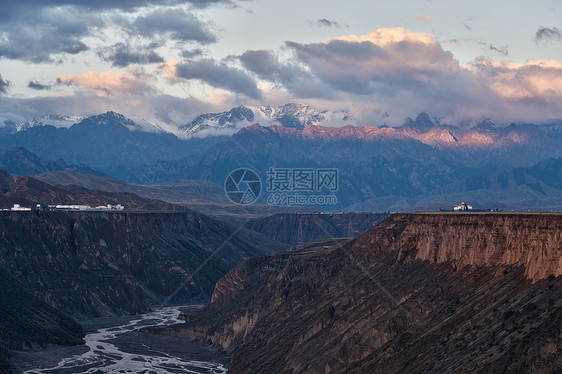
[(108, 82), (266, 66), (548, 33), (4, 84), (190, 53), (176, 24), (38, 86), (400, 72), (535, 80), (11, 8), (46, 31), (324, 22), (501, 51), (360, 64), (123, 55), (38, 35), (218, 75), (419, 17), (164, 110)]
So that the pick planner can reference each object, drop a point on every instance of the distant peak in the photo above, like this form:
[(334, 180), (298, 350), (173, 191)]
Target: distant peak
[(485, 125), (423, 116), (110, 114), (109, 118), (422, 122)]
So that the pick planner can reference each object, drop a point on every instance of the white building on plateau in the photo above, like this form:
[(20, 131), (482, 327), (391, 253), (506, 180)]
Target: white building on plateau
[(463, 207), (19, 208)]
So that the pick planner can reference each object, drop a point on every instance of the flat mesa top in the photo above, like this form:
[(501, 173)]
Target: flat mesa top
[(486, 212)]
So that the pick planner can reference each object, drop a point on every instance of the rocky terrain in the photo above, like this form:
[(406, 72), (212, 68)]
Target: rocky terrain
[(28, 323), (434, 293), (104, 263), (306, 227)]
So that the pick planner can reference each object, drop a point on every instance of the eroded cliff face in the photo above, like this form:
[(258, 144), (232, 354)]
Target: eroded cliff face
[(100, 263), (285, 227), (417, 293), (531, 240)]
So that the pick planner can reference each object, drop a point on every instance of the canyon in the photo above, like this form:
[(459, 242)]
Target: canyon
[(104, 263), (432, 293)]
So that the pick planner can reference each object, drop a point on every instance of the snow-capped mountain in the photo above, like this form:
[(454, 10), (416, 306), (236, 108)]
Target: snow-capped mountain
[(215, 122), (56, 120), (298, 116), (110, 119), (291, 115)]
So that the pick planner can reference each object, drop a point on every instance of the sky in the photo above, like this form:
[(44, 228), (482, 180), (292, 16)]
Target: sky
[(165, 62)]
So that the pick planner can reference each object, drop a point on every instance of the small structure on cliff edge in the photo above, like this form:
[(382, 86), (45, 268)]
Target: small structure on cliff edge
[(463, 207)]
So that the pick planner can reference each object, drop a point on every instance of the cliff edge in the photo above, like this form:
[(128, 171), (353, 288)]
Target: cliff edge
[(435, 293)]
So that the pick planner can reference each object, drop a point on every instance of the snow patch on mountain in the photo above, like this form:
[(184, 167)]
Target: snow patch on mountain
[(297, 116), (55, 120)]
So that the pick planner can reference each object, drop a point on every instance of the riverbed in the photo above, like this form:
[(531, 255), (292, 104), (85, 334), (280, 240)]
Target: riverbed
[(114, 345)]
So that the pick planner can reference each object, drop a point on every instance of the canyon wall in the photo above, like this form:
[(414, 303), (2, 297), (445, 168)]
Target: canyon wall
[(494, 239), (432, 293), (103, 263)]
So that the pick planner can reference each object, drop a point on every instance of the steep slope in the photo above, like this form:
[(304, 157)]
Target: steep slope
[(437, 293), (99, 263), (28, 323), (290, 228)]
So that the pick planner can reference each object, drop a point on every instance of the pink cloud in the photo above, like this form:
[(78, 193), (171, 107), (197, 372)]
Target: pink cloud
[(109, 82)]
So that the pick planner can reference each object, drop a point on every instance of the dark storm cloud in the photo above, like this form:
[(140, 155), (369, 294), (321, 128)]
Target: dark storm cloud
[(3, 85), (122, 55), (502, 50), (174, 23), (219, 75), (548, 33), (38, 86)]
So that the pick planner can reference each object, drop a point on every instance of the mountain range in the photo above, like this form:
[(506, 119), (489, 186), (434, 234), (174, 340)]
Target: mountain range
[(296, 116), (413, 166)]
